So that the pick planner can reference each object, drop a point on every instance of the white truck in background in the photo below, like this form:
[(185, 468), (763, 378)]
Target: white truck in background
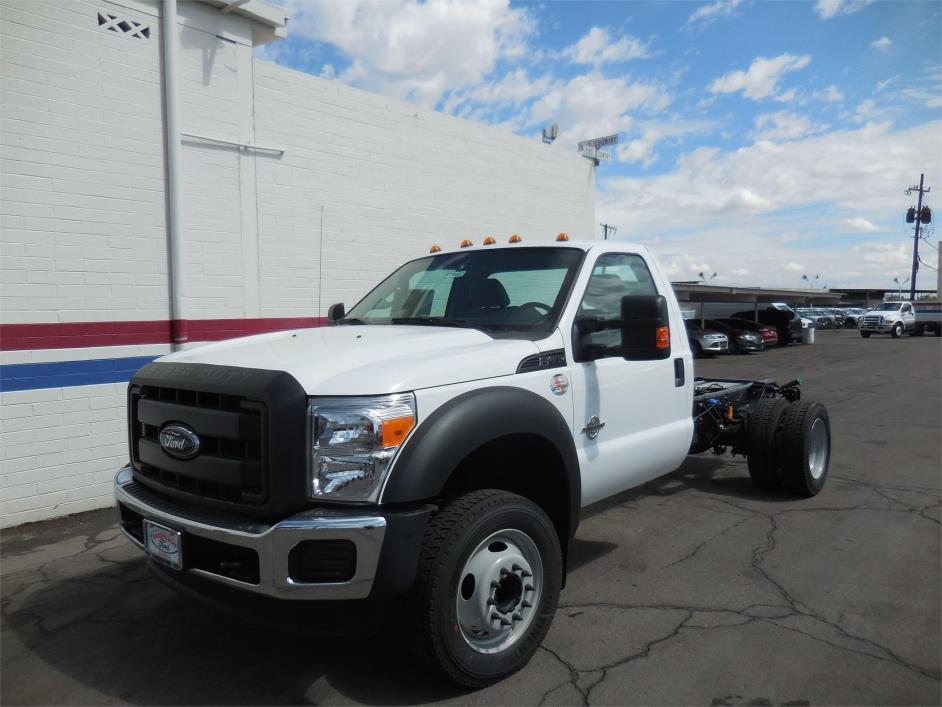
[(427, 455), (901, 317)]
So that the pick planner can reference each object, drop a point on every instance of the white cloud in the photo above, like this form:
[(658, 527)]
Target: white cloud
[(591, 105), (867, 110), (859, 224), (761, 79), (415, 50), (794, 267), (772, 203), (883, 43), (832, 94), (705, 14), (831, 8), (784, 126), (597, 47), (887, 255), (642, 148)]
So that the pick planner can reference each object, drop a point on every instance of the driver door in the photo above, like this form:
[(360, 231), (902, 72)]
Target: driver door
[(632, 419)]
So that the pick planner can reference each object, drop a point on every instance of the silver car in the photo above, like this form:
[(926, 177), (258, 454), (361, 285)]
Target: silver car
[(705, 341)]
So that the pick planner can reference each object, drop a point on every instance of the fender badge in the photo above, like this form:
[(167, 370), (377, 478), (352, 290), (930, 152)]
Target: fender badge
[(559, 384)]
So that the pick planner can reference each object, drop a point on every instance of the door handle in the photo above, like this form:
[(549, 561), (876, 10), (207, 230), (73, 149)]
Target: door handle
[(680, 375)]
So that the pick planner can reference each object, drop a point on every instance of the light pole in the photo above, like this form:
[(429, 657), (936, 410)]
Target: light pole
[(810, 282), (899, 287)]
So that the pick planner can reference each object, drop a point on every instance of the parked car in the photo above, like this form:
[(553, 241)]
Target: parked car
[(432, 463), (705, 341), (821, 319), (740, 340), (786, 321), (768, 333)]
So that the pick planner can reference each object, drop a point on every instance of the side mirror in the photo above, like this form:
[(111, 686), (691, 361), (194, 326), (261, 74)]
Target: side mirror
[(335, 312), (645, 328)]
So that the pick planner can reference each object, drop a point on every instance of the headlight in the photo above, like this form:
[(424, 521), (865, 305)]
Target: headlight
[(353, 442)]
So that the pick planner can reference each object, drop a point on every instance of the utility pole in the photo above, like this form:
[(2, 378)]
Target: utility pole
[(606, 228), (918, 219)]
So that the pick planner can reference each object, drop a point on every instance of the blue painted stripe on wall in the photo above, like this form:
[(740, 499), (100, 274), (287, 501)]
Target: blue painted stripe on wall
[(65, 374)]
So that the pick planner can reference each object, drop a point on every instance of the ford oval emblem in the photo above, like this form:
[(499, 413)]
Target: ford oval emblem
[(179, 441)]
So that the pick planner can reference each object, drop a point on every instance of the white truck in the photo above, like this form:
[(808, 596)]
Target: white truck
[(898, 318), (428, 454)]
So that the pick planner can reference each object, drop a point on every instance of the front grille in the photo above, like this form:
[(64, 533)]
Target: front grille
[(230, 465), (872, 320)]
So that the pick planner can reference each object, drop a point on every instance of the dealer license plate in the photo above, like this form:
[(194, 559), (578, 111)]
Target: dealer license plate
[(163, 544)]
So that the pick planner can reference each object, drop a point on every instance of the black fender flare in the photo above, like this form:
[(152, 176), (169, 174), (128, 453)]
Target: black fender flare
[(467, 422)]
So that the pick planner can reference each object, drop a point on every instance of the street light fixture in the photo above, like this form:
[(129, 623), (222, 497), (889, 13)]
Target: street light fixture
[(899, 287), (810, 282), (704, 278)]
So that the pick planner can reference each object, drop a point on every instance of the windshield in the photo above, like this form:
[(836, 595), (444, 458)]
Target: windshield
[(519, 291), (887, 307)]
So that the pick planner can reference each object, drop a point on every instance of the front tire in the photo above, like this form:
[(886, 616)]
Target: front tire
[(487, 587), (897, 330), (805, 451)]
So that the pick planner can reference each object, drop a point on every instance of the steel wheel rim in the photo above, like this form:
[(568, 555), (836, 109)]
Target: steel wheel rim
[(499, 604), (818, 448)]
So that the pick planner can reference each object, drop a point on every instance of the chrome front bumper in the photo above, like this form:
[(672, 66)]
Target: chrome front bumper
[(272, 542)]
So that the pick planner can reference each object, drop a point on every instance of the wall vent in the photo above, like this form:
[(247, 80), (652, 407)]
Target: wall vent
[(131, 28)]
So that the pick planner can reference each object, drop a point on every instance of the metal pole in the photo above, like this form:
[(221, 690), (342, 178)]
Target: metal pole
[(168, 29), (912, 280)]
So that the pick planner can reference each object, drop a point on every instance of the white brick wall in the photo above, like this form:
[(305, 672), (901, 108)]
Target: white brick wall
[(83, 206)]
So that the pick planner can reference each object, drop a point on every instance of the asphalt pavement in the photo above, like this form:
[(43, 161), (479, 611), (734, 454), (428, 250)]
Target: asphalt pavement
[(694, 589)]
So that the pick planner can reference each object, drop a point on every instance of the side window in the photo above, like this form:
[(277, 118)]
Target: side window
[(614, 276), (907, 309)]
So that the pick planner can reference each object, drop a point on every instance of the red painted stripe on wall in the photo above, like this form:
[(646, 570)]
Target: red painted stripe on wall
[(67, 335)]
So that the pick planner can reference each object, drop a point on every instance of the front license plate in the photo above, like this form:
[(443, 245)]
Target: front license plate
[(163, 544)]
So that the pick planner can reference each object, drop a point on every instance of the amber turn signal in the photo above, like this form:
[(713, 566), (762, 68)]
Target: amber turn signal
[(662, 337)]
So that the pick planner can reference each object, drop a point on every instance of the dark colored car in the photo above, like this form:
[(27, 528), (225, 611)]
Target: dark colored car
[(768, 333), (740, 340), (786, 322)]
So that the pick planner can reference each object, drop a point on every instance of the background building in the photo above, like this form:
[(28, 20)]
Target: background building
[(291, 193)]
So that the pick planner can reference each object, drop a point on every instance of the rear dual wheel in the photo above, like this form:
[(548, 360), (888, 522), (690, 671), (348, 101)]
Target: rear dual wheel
[(789, 445), (487, 587)]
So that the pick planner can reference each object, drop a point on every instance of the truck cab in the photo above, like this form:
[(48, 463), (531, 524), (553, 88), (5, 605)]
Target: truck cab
[(893, 318), (431, 449)]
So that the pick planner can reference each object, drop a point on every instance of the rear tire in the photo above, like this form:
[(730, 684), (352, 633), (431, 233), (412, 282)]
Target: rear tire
[(938, 330), (761, 442), (697, 350), (865, 334), (917, 330), (805, 447), (462, 618)]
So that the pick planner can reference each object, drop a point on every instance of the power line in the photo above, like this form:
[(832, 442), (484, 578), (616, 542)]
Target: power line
[(605, 230)]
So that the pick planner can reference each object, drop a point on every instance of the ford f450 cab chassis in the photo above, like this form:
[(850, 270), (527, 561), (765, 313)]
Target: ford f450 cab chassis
[(432, 448)]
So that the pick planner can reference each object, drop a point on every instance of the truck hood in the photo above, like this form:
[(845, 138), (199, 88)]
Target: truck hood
[(367, 360)]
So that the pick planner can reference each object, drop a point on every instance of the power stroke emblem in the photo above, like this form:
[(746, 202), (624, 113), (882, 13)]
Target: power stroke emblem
[(179, 441)]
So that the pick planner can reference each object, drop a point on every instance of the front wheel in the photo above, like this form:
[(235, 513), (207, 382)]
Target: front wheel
[(487, 587), (897, 330)]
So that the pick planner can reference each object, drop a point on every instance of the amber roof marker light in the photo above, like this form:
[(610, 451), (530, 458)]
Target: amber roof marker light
[(490, 240), (466, 243), (435, 249), (514, 239), (562, 237)]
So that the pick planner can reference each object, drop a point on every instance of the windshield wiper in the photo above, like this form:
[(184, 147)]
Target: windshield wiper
[(431, 321), (351, 320)]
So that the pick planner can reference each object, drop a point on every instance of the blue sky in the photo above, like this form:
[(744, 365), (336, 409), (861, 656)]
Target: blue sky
[(760, 140)]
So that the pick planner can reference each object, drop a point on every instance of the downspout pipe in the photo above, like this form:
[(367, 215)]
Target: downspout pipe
[(178, 328)]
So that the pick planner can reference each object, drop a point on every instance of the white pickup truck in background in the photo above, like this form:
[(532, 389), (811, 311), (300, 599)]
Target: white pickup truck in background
[(898, 318), (430, 452)]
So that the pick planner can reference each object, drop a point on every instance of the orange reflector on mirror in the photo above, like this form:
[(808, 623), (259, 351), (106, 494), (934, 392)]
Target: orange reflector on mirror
[(662, 337), (396, 429)]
